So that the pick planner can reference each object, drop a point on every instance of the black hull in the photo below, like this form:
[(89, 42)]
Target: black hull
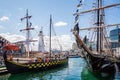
[(13, 67), (99, 64)]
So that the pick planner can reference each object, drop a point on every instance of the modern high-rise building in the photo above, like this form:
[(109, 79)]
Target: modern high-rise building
[(115, 37)]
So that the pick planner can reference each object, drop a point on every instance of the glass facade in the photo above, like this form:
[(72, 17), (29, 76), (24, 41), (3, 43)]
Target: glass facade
[(114, 34), (114, 37)]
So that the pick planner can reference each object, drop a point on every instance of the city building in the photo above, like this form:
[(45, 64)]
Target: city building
[(115, 37)]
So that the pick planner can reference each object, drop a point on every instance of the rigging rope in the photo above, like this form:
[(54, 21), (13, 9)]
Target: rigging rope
[(56, 37)]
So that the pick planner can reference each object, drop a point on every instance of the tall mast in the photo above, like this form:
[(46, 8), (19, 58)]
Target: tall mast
[(98, 29), (100, 22), (28, 28), (50, 35)]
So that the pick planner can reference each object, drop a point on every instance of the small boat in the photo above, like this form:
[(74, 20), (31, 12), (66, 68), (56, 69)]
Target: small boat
[(30, 62), (74, 56), (102, 58)]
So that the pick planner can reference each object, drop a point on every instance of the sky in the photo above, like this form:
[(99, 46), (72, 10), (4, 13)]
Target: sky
[(11, 11)]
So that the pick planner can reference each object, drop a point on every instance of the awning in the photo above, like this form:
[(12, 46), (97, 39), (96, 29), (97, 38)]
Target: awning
[(11, 47)]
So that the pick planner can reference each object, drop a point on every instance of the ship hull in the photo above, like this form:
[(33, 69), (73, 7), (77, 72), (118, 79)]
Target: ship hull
[(14, 67), (99, 64)]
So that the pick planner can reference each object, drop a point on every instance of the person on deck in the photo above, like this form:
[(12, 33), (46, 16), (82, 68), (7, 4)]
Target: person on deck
[(47, 59), (10, 57)]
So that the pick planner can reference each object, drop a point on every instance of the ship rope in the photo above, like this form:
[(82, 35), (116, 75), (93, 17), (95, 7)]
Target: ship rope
[(108, 44), (56, 38), (94, 36)]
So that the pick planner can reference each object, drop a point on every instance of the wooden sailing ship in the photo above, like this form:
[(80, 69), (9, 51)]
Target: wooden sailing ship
[(23, 64), (99, 60)]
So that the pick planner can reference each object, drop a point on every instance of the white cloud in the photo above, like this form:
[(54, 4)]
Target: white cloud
[(1, 27), (36, 27), (4, 18), (12, 37), (60, 23), (65, 41)]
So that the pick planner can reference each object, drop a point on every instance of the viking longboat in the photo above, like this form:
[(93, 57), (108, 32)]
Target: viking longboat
[(28, 63), (102, 58)]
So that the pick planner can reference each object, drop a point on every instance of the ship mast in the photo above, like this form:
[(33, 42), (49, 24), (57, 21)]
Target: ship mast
[(104, 26), (27, 29), (100, 22), (50, 36), (99, 29), (104, 7)]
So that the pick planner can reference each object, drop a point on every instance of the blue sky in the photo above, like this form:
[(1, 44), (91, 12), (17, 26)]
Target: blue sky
[(61, 10)]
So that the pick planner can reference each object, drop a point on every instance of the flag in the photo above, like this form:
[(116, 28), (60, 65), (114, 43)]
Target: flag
[(80, 4), (76, 28)]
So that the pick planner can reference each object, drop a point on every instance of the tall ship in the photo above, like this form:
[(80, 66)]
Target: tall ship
[(31, 60), (101, 58)]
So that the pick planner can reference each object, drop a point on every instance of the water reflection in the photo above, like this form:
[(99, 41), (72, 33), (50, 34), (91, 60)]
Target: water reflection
[(117, 76), (71, 71), (33, 75), (28, 76), (88, 75), (75, 70), (4, 77)]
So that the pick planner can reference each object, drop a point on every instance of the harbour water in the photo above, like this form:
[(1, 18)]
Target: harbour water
[(75, 70)]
